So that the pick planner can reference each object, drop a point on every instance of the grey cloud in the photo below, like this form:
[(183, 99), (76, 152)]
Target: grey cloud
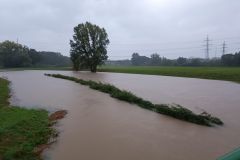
[(172, 28)]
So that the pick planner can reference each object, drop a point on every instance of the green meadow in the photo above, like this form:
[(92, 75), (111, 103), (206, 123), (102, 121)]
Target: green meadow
[(216, 73)]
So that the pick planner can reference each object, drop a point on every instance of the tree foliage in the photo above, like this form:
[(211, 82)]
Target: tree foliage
[(89, 46), (156, 60), (16, 55), (53, 59), (138, 60), (231, 59)]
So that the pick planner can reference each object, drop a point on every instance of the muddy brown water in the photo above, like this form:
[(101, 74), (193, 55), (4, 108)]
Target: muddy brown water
[(100, 127)]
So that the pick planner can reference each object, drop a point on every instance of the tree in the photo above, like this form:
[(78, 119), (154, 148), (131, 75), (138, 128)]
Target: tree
[(14, 55), (231, 59), (155, 59), (181, 61), (195, 62), (237, 58), (35, 56), (228, 59), (138, 60), (166, 62), (89, 46), (48, 58), (135, 57)]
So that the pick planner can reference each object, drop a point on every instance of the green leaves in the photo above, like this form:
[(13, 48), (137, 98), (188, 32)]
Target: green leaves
[(89, 46), (14, 55)]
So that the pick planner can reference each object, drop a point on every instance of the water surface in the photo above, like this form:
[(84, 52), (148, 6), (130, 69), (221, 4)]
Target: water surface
[(100, 127)]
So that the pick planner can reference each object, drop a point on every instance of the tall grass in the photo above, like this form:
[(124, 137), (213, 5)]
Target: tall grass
[(175, 111)]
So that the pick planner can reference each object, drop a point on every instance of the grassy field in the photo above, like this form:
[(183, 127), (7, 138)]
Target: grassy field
[(21, 130), (217, 73)]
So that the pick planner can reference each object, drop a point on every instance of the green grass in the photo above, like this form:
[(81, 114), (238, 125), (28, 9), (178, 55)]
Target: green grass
[(21, 130), (216, 73), (4, 92), (175, 111)]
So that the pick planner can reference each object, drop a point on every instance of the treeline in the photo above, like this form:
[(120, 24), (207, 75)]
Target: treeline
[(156, 60), (17, 55), (231, 59)]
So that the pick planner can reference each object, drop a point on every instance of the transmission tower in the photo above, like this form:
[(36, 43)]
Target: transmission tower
[(224, 46), (207, 47)]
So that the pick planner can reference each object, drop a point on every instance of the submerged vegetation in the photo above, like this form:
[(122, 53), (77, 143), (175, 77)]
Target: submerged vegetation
[(175, 111), (21, 130), (216, 73)]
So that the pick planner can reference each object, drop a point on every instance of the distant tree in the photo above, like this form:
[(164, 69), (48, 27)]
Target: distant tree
[(155, 59), (231, 59), (228, 60), (196, 62), (214, 62), (14, 55), (134, 60), (89, 46), (35, 56), (138, 60), (181, 61), (237, 58), (53, 59), (166, 62)]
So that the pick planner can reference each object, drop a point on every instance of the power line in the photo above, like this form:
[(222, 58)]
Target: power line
[(173, 42), (115, 43), (207, 47), (188, 46)]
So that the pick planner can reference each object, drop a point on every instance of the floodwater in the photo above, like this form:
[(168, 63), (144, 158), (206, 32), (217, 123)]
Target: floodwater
[(100, 127)]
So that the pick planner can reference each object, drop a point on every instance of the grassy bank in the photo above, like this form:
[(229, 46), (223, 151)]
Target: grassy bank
[(21, 130), (216, 73), (175, 111)]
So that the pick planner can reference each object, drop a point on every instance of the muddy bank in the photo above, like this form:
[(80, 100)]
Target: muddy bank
[(53, 118), (57, 115)]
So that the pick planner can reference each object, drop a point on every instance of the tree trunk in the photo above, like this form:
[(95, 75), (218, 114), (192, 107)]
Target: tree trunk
[(76, 66), (93, 69)]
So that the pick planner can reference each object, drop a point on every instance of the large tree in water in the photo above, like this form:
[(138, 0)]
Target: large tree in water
[(89, 46)]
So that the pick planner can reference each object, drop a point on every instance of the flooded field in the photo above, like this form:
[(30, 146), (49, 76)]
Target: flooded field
[(100, 127)]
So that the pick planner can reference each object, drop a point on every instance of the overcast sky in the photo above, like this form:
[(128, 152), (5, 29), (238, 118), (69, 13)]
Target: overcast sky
[(171, 28)]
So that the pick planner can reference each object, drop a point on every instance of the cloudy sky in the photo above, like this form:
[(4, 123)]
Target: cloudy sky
[(171, 28)]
